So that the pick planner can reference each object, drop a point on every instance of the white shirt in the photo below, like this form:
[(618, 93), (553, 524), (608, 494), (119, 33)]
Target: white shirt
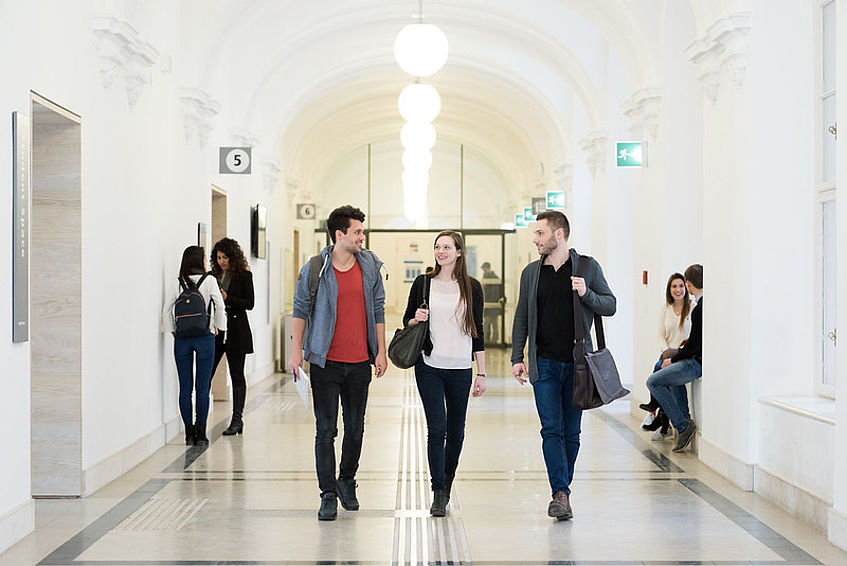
[(670, 333), (209, 290), (451, 347)]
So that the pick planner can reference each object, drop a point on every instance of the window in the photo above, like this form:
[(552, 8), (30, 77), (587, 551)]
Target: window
[(825, 195)]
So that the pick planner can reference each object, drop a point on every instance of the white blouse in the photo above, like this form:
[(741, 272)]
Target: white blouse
[(670, 333), (210, 291), (451, 347)]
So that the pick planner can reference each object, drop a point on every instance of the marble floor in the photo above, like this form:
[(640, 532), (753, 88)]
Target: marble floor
[(253, 499)]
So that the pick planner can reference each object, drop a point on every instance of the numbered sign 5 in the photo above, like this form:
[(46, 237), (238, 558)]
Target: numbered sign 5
[(235, 160)]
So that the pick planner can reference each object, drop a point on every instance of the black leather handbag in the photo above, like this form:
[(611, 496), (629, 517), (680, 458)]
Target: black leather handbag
[(596, 381), (405, 348)]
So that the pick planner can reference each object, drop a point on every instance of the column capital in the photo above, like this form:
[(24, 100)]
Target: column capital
[(271, 168), (595, 145), (724, 46), (198, 112), (643, 109), (121, 51)]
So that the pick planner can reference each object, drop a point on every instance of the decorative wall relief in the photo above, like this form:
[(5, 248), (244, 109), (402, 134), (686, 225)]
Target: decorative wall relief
[(198, 112), (724, 47), (121, 52)]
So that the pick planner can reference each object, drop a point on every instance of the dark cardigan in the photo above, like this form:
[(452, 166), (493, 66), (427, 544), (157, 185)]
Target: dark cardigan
[(239, 300), (416, 298)]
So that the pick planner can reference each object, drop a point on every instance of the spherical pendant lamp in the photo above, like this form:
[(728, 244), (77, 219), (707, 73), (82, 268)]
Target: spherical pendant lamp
[(415, 179), (417, 159), (419, 103), (417, 135), (421, 49)]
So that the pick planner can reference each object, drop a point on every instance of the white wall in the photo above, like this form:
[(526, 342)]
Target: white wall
[(144, 189)]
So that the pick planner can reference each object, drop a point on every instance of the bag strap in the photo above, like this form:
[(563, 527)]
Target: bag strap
[(579, 331), (425, 304), (314, 280)]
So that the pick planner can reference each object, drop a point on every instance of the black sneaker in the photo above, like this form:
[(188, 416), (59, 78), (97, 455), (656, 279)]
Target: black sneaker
[(346, 490), (329, 507), (684, 437)]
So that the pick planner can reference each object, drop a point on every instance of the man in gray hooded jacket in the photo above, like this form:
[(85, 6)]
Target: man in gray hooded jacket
[(545, 315), (346, 334)]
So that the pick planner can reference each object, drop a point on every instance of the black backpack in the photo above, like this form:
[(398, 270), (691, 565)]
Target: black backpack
[(190, 312)]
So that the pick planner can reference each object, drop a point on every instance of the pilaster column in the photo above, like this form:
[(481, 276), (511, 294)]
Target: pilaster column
[(596, 148)]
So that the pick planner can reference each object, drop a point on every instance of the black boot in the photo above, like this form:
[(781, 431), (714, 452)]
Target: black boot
[(236, 426), (329, 507), (189, 434), (651, 406), (658, 422), (448, 486), (439, 503), (200, 436)]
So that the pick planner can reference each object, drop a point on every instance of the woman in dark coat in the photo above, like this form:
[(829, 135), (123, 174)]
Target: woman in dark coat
[(229, 266)]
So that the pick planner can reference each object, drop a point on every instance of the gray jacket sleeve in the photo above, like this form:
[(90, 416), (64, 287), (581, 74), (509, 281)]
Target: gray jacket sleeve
[(598, 296), (379, 299), (302, 301), (520, 324)]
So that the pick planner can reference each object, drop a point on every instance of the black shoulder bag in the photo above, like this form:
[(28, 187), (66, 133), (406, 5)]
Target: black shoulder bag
[(595, 377), (405, 348)]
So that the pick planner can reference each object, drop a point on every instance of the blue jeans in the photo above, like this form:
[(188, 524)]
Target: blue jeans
[(668, 387), (560, 421), (185, 351), (444, 394)]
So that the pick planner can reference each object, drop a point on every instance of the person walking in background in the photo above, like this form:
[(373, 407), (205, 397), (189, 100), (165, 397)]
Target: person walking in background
[(668, 384), (346, 334), (674, 327), (492, 290), (545, 317), (443, 373), (194, 338), (229, 267)]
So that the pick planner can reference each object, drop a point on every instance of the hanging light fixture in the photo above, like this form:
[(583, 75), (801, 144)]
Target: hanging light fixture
[(416, 135), (421, 49), (419, 102), (417, 159)]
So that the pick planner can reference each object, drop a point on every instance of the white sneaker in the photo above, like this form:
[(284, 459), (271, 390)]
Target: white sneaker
[(658, 436), (648, 419)]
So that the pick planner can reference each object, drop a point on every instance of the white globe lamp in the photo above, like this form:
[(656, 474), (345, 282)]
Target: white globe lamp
[(419, 103), (417, 159), (417, 135), (421, 49)]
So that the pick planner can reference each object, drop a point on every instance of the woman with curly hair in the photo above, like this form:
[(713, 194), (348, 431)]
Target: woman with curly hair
[(229, 266)]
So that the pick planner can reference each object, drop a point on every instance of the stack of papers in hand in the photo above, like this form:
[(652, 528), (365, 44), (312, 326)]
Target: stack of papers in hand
[(302, 385)]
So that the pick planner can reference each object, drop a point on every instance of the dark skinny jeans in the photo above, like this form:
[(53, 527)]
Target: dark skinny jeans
[(350, 382), (186, 350), (236, 375), (444, 394)]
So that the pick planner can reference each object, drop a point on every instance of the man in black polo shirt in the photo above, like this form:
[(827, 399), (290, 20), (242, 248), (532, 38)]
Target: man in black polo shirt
[(545, 317)]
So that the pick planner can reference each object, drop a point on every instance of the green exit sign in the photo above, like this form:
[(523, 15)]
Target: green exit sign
[(629, 154), (555, 200)]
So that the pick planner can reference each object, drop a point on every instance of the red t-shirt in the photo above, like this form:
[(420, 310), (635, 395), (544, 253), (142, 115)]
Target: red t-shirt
[(350, 338)]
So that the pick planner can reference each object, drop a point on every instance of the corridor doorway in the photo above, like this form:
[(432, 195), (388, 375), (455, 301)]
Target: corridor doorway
[(220, 381), (56, 300), (407, 253)]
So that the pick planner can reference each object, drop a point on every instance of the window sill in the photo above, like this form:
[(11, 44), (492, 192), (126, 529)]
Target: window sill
[(819, 409)]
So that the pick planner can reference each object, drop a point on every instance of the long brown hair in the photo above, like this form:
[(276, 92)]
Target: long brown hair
[(231, 249), (686, 301), (460, 274)]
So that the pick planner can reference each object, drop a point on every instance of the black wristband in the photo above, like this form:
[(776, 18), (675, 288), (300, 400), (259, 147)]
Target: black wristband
[(481, 375)]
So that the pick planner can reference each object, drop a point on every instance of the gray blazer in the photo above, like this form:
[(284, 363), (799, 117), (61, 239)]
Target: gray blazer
[(598, 299)]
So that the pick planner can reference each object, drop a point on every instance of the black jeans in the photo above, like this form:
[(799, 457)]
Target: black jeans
[(236, 374), (350, 382), (444, 393)]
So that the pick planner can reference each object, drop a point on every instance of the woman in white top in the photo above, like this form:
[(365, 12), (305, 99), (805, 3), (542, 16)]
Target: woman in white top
[(194, 340), (443, 373), (674, 327)]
